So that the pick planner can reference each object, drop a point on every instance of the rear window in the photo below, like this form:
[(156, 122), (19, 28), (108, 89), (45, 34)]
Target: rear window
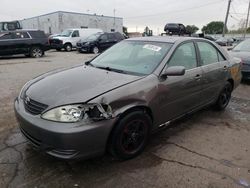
[(37, 34)]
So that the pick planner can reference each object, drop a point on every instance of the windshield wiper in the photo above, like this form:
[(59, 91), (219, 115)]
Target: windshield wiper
[(111, 69)]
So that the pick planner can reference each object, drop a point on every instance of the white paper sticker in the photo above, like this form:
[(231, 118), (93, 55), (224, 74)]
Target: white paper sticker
[(152, 47)]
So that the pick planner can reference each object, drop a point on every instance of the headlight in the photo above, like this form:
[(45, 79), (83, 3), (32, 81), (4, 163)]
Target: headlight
[(75, 113)]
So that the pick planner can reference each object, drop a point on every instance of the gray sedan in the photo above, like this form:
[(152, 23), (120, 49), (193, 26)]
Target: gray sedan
[(114, 102), (242, 51)]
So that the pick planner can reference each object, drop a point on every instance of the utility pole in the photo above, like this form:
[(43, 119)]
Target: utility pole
[(225, 23), (114, 18), (247, 20)]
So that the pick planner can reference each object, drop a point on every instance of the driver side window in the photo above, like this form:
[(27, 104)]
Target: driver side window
[(184, 55), (75, 34)]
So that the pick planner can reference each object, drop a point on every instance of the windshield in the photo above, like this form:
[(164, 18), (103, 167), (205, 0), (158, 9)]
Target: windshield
[(133, 57), (66, 33), (93, 37), (243, 46)]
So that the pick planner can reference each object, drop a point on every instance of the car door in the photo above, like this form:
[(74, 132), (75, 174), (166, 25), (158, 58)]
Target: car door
[(103, 42), (215, 70), (6, 44), (75, 37), (181, 94), (21, 42)]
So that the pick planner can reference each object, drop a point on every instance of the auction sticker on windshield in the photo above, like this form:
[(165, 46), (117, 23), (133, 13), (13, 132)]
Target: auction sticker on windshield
[(152, 47)]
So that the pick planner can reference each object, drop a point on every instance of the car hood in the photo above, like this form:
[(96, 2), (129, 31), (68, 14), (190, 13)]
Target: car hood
[(76, 85), (60, 37), (245, 56)]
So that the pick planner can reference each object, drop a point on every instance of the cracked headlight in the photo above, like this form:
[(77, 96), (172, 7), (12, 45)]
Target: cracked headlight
[(78, 112)]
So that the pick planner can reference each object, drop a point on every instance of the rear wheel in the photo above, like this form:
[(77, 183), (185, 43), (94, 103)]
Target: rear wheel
[(36, 52), (130, 135), (68, 47), (224, 97)]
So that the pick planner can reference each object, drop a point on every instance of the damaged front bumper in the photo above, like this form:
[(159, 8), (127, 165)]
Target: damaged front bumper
[(64, 140)]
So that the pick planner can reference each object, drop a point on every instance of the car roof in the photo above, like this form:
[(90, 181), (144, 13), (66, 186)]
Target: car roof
[(20, 30), (167, 39)]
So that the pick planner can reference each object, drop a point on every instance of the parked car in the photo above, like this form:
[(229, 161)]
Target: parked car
[(242, 51), (99, 42), (175, 29), (223, 41), (28, 42), (119, 98), (69, 37)]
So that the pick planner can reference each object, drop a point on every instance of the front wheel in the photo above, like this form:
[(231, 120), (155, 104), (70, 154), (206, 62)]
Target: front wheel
[(224, 97), (68, 47), (95, 50), (36, 52), (130, 135)]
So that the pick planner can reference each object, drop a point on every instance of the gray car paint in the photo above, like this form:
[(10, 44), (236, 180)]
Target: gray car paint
[(164, 99)]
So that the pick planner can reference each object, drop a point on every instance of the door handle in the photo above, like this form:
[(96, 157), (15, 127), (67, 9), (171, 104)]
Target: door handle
[(198, 77)]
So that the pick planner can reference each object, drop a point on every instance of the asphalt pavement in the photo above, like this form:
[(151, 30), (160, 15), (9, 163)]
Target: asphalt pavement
[(207, 149)]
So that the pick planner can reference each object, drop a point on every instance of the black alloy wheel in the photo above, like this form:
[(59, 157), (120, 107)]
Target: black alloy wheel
[(224, 97), (130, 135)]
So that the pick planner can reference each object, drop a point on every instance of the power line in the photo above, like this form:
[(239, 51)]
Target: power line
[(176, 11)]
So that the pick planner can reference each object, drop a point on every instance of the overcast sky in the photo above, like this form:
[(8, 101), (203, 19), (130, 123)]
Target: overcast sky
[(135, 13)]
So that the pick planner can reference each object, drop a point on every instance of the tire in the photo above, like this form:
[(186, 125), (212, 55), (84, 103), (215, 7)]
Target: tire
[(95, 50), (68, 47), (36, 52), (224, 97), (130, 136)]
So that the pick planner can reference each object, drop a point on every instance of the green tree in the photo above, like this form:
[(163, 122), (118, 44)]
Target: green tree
[(192, 29), (215, 27)]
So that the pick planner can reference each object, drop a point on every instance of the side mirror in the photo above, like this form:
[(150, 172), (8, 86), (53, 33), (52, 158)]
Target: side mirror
[(173, 71)]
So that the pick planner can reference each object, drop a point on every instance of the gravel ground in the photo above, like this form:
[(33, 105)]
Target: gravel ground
[(208, 149)]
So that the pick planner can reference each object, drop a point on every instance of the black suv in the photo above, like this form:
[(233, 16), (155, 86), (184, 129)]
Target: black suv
[(99, 42), (175, 29), (31, 43)]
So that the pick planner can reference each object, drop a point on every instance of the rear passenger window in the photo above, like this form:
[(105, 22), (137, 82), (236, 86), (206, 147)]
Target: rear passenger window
[(111, 36), (184, 55), (20, 35), (208, 53), (37, 34)]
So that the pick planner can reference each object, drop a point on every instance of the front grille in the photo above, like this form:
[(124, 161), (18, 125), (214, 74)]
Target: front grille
[(55, 41), (34, 107)]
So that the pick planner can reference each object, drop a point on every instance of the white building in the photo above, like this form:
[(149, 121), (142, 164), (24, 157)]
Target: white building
[(56, 22)]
